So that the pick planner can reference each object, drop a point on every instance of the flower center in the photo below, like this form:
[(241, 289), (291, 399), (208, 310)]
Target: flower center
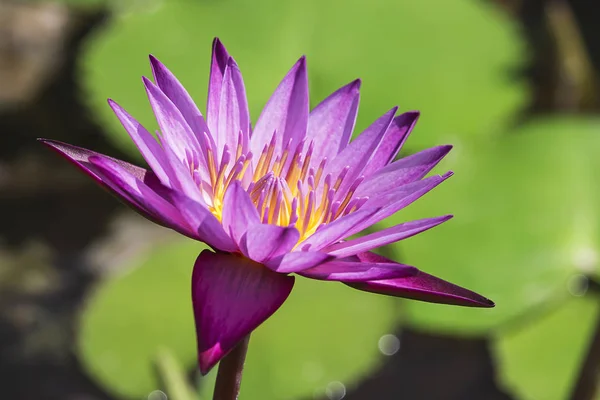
[(285, 189)]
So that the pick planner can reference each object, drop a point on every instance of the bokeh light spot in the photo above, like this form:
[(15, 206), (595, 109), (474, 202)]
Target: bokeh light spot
[(335, 390), (577, 285), (157, 395), (389, 344)]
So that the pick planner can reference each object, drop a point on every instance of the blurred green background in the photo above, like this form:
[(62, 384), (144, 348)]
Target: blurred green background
[(96, 302)]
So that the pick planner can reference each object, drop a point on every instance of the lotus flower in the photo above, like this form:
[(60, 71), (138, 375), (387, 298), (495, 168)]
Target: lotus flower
[(278, 199)]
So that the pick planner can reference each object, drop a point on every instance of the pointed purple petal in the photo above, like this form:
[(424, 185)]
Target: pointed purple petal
[(358, 153), (146, 144), (396, 199), (176, 133), (403, 171), (392, 142), (142, 195), (335, 230), (286, 112), (352, 271), (217, 71), (330, 124), (233, 116), (410, 191), (422, 286), (207, 226), (80, 158), (183, 176), (232, 296), (239, 213), (297, 261), (174, 90), (384, 237), (264, 242)]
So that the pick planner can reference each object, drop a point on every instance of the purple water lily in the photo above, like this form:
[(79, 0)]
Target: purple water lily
[(280, 198)]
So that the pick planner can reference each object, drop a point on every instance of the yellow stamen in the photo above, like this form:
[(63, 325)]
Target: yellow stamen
[(305, 166), (293, 175), (277, 166), (212, 170), (268, 159), (343, 204), (284, 187), (238, 153), (259, 166), (320, 172), (282, 162)]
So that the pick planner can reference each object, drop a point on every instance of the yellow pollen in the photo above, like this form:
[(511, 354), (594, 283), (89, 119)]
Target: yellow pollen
[(219, 184), (238, 153), (292, 176), (283, 194), (305, 166), (282, 162), (211, 167), (268, 159), (343, 204), (277, 166), (320, 172)]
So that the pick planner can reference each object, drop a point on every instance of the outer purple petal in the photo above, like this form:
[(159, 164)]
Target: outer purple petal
[(239, 213), (144, 197), (336, 230), (176, 133), (383, 237), (217, 71), (403, 171), (286, 112), (396, 199), (232, 296), (422, 287), (297, 261), (392, 142), (183, 175), (358, 153), (207, 226), (233, 117), (411, 190), (353, 271), (330, 124), (147, 144), (80, 158), (174, 90), (264, 242)]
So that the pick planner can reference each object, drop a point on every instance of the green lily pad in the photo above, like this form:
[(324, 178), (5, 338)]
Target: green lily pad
[(526, 220), (542, 360), (180, 33), (113, 5), (439, 62), (173, 377), (131, 318), (325, 332)]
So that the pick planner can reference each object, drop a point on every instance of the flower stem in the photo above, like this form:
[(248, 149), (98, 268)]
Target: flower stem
[(229, 377), (586, 386)]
